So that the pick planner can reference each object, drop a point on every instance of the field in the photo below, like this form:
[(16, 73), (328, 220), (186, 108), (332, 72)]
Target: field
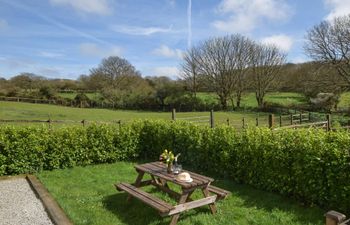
[(29, 111), (248, 99), (92, 96), (87, 196), (345, 100)]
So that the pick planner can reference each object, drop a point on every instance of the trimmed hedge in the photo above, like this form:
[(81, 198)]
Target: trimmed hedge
[(310, 165)]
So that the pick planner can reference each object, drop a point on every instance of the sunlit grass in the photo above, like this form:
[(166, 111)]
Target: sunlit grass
[(30, 111), (88, 196)]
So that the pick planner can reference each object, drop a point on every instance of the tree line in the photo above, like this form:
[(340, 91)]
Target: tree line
[(228, 66)]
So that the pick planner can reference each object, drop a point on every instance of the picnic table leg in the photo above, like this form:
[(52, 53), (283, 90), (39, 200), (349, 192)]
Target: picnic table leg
[(212, 205), (183, 199), (137, 183)]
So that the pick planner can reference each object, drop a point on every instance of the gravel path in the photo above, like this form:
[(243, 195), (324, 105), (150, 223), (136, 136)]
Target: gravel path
[(19, 204)]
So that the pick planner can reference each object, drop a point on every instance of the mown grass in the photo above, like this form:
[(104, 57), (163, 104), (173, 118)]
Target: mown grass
[(30, 111), (88, 196)]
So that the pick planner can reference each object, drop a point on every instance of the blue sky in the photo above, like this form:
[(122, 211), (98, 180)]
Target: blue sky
[(66, 38)]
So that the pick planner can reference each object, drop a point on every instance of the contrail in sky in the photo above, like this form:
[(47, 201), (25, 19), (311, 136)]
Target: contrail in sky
[(56, 23), (189, 23)]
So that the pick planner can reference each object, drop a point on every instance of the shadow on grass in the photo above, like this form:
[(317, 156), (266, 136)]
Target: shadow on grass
[(136, 212), (133, 212), (270, 202)]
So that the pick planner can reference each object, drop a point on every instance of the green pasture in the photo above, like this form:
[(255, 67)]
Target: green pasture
[(344, 100), (92, 96), (30, 111), (88, 196), (249, 100)]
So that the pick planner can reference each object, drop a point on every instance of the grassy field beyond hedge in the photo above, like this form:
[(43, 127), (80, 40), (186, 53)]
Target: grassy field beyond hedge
[(87, 196), (29, 111)]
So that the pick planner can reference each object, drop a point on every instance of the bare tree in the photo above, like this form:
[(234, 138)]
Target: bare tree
[(266, 62), (189, 68), (329, 42), (214, 64), (223, 63), (241, 51)]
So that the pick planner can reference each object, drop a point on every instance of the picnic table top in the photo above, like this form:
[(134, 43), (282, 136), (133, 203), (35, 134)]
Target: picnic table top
[(159, 169)]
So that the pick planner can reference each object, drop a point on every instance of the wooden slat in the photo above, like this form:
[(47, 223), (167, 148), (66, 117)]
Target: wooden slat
[(197, 178), (218, 191), (144, 183), (191, 205), (154, 202), (169, 177)]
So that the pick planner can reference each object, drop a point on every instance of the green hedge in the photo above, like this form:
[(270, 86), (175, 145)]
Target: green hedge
[(310, 165)]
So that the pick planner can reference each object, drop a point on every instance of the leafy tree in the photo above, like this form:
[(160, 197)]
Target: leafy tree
[(82, 100), (47, 92), (27, 81), (113, 72)]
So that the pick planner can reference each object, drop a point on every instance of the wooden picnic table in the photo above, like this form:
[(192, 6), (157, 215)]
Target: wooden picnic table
[(160, 179)]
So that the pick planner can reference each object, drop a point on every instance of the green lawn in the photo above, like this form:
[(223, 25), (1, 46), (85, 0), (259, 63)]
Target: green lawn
[(88, 196), (30, 111)]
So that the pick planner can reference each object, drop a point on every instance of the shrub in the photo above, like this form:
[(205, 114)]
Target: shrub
[(310, 165)]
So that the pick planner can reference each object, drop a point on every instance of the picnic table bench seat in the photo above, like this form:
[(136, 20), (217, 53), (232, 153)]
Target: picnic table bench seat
[(162, 207), (221, 193)]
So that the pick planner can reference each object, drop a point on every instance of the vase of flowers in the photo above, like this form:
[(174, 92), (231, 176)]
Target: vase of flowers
[(168, 158)]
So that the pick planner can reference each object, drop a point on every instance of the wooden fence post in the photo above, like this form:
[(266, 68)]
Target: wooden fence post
[(271, 120), (291, 119), (49, 121), (309, 117), (257, 121), (173, 114), (280, 120), (212, 118), (120, 123), (334, 218), (228, 121), (301, 118), (328, 116), (243, 123)]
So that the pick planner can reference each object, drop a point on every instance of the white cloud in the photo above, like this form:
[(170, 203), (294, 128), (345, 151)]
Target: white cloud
[(91, 49), (338, 8), (100, 7), (245, 15), (167, 71), (165, 51), (281, 41), (146, 31), (3, 24), (46, 54)]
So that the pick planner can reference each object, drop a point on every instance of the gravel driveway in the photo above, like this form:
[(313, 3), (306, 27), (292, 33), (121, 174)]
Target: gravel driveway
[(19, 204)]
